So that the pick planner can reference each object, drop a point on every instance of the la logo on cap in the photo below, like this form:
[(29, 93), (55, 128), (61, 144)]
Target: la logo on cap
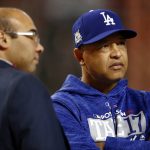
[(107, 19)]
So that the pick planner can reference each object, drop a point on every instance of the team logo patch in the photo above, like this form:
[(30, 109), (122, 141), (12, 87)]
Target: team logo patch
[(78, 37)]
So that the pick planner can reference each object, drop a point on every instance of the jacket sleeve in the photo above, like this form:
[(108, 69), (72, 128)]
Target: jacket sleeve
[(77, 135), (125, 144), (32, 120)]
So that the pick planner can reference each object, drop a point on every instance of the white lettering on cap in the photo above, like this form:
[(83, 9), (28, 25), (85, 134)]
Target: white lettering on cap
[(107, 19)]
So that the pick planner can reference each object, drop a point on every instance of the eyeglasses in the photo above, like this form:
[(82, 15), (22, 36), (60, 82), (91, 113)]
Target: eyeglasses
[(30, 34)]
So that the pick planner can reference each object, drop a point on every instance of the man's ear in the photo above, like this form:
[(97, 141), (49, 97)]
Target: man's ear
[(3, 41), (78, 54)]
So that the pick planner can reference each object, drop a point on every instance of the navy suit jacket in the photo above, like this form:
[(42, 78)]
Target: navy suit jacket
[(27, 118)]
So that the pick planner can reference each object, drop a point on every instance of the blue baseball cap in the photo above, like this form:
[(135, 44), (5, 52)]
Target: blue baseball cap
[(96, 25)]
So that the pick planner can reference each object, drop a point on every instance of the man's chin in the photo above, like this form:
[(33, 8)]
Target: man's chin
[(115, 80), (31, 69)]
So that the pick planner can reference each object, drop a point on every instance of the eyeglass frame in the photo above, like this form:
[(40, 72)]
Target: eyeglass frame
[(32, 34)]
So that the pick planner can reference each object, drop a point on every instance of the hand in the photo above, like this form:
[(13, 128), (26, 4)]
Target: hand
[(101, 145)]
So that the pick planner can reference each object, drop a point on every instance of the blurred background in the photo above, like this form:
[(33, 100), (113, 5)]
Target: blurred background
[(54, 19)]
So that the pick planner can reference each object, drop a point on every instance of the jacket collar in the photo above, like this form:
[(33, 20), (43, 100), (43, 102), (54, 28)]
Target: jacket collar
[(4, 63)]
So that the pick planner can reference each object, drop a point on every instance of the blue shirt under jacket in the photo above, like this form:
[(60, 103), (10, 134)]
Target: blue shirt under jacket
[(121, 118)]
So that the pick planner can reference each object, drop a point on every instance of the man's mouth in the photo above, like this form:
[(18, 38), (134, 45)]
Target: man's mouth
[(116, 66)]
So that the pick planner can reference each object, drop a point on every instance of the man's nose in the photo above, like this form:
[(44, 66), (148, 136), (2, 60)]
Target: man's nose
[(39, 48), (115, 51)]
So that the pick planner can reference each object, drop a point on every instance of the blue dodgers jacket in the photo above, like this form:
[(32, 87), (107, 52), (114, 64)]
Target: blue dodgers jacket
[(121, 118)]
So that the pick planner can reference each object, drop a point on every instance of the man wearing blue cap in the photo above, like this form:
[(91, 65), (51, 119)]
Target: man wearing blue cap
[(98, 110)]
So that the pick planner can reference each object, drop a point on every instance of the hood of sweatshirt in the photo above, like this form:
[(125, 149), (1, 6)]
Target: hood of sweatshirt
[(75, 85)]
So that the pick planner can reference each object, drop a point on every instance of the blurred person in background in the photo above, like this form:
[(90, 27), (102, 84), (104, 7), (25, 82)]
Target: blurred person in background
[(99, 110), (27, 118)]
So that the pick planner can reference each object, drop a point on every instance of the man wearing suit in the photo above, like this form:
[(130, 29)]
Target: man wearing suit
[(27, 119)]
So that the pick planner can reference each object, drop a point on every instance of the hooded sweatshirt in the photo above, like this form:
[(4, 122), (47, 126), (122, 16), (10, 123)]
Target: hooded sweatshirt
[(120, 118)]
